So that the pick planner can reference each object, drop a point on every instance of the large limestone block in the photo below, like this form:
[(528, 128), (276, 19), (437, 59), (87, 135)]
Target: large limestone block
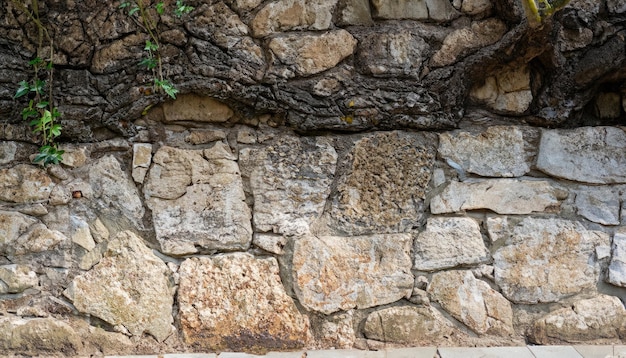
[(130, 288), (503, 196), (465, 40), (25, 183), (588, 154), (438, 10), (284, 15), (617, 268), (472, 302), (17, 278), (448, 242), (384, 187), (407, 325), (598, 204), (197, 201), (339, 273), (12, 226), (38, 337), (545, 260), (192, 107), (308, 54), (237, 302), (599, 318), (290, 181), (391, 54), (498, 151)]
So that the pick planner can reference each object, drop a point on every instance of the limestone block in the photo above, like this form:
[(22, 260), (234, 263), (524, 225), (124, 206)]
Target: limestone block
[(197, 201), (598, 204), (498, 151), (7, 151), (441, 10), (476, 7), (599, 318), (503, 196), (308, 54), (142, 158), (339, 273), (290, 181), (463, 41), (129, 288), (391, 54), (12, 226), (25, 183), (336, 331), (400, 9), (37, 239), (285, 15), (34, 336), (81, 235), (617, 268), (237, 302), (448, 242), (545, 260), (205, 136), (270, 242), (74, 156), (513, 102), (110, 57), (588, 154), (192, 107), (407, 325), (354, 12), (17, 278), (384, 188), (473, 302)]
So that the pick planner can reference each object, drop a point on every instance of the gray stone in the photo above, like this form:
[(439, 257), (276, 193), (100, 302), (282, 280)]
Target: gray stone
[(240, 301), (284, 15), (384, 188), (463, 41), (588, 154), (391, 54), (17, 278), (617, 268), (12, 226), (197, 201), (472, 302), (270, 242), (407, 325), (24, 183), (599, 318), (498, 151), (7, 152), (37, 239), (545, 260), (290, 181), (413, 352), (354, 12), (129, 288), (598, 204), (441, 10), (503, 196), (448, 242), (484, 352), (335, 273), (476, 7), (616, 6)]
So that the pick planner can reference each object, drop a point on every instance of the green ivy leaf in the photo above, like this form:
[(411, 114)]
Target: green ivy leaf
[(160, 7), (55, 130), (38, 87), (167, 86), (150, 46), (42, 104), (22, 90), (132, 11), (149, 63), (182, 9), (36, 61)]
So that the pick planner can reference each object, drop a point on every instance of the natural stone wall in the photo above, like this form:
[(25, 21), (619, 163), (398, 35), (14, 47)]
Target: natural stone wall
[(348, 174)]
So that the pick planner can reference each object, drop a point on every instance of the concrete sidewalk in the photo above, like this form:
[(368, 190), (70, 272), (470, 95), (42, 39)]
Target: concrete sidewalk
[(617, 351)]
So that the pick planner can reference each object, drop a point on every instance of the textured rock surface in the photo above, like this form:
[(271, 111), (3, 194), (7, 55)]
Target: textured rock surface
[(335, 273), (544, 260), (12, 226), (499, 151), (503, 196), (617, 268), (129, 288), (236, 302), (448, 242), (385, 184), (39, 335), (16, 278), (472, 302), (196, 108), (600, 205), (602, 318), (386, 54), (24, 184), (407, 324), (197, 200), (290, 181), (284, 15), (589, 154)]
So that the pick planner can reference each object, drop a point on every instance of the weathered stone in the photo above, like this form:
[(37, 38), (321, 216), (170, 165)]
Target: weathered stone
[(197, 201), (441, 10), (472, 302), (407, 325), (284, 15), (290, 181), (354, 12), (110, 57), (113, 192), (81, 235), (498, 151), (587, 154), (545, 260), (246, 135), (237, 302), (385, 184), (24, 183), (37, 239), (400, 9), (599, 318), (74, 156), (508, 91), (598, 204), (608, 105), (334, 273), (12, 226), (142, 158), (476, 7), (497, 227), (336, 332), (17, 278), (463, 41), (616, 6), (448, 242), (7, 152), (38, 336), (513, 102), (191, 107), (308, 54), (391, 54), (60, 195), (205, 136), (129, 288), (99, 232), (270, 242), (617, 268), (503, 196)]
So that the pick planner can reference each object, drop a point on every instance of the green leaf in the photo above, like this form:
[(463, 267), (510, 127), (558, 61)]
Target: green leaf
[(133, 10), (35, 61), (149, 63), (55, 113), (150, 46), (124, 4), (160, 7), (22, 90), (182, 9), (55, 130), (46, 117), (49, 65), (38, 87), (29, 112), (42, 104), (167, 86)]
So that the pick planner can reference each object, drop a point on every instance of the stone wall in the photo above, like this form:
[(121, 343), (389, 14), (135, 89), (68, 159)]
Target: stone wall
[(344, 173), (196, 236)]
